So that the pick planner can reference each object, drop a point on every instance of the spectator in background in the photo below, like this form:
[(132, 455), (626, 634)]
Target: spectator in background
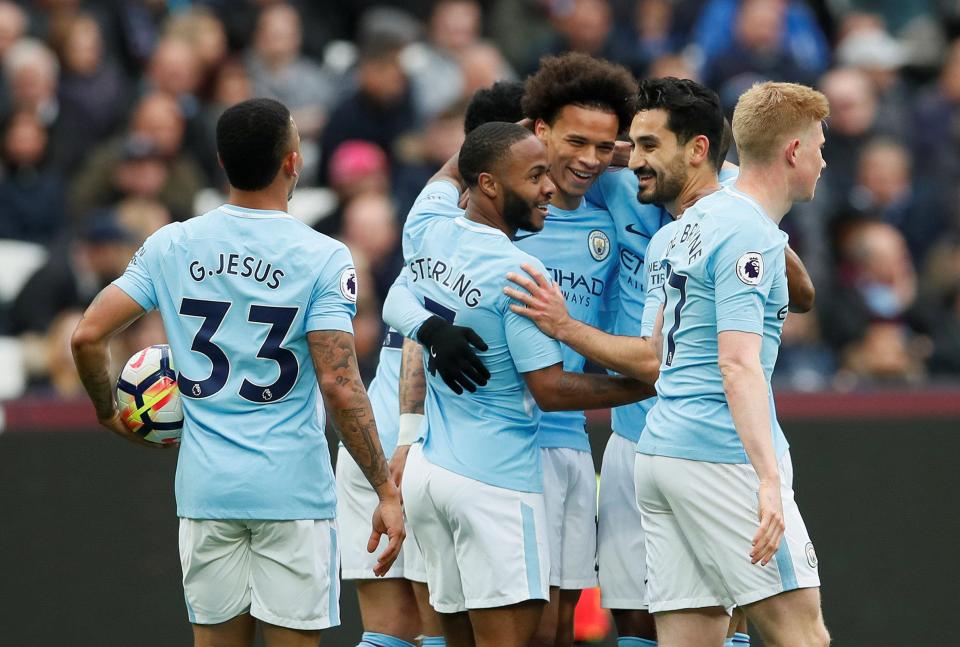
[(280, 71), (522, 30), (230, 85), (13, 25), (587, 26), (880, 56), (91, 86), (435, 68), (934, 132), (876, 283), (800, 37), (371, 229), (756, 53), (378, 110), (652, 35), (31, 195), (482, 65), (202, 29), (421, 155), (886, 191), (673, 65), (156, 119), (356, 167), (73, 276)]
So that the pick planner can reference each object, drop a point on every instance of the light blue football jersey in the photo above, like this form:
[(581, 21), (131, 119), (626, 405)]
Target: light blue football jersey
[(636, 223), (238, 290), (725, 271), (456, 269), (656, 276), (578, 248)]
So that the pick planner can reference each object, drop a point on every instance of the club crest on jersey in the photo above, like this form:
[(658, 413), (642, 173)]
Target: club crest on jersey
[(599, 245), (750, 268), (348, 284), (811, 555)]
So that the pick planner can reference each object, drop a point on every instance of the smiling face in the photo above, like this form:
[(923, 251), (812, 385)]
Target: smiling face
[(579, 147), (527, 189), (657, 159)]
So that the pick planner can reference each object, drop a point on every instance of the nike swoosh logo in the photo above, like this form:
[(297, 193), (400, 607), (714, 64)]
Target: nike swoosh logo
[(631, 229), (516, 238)]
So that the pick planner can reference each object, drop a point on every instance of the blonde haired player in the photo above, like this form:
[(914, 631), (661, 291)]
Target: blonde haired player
[(713, 471)]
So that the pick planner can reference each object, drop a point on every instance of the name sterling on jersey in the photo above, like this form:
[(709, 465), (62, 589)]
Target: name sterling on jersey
[(448, 276), (242, 266)]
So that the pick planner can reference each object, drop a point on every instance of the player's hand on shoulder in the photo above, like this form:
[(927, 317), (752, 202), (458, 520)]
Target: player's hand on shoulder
[(115, 424), (541, 301), (621, 154), (452, 354), (387, 520)]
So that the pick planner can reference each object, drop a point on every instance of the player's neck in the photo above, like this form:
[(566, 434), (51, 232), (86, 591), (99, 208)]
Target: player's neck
[(565, 201), (269, 199), (487, 215), (768, 188), (701, 182)]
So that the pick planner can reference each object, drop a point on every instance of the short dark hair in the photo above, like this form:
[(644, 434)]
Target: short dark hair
[(486, 147), (726, 141), (252, 138), (499, 102), (581, 80), (692, 109)]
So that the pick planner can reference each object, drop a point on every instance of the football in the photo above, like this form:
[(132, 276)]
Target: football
[(148, 395)]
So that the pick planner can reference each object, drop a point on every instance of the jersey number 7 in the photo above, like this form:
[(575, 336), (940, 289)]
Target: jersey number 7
[(280, 319)]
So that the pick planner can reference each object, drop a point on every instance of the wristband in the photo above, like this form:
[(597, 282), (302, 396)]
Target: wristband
[(410, 424)]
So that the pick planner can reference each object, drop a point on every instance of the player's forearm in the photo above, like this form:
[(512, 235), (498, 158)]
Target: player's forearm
[(347, 405), (632, 356), (746, 389), (799, 284), (577, 391), (402, 311), (413, 379), (450, 171), (92, 356)]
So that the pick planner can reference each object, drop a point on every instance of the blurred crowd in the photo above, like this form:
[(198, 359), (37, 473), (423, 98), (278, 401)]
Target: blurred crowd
[(108, 110)]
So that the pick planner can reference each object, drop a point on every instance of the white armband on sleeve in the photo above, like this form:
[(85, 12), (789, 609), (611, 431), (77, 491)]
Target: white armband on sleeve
[(410, 424)]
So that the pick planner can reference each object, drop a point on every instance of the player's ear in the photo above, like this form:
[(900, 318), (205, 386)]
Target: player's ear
[(699, 149), (540, 129), (291, 163), (488, 185), (792, 152)]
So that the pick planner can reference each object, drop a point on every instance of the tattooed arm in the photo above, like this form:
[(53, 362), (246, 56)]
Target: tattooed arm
[(413, 392), (557, 390), (347, 405), (111, 311)]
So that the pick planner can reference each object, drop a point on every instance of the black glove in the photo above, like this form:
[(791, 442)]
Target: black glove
[(451, 354)]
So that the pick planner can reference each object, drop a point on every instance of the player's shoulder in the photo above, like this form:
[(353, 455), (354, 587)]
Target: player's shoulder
[(438, 194)]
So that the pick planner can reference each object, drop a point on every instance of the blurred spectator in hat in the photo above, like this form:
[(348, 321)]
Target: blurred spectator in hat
[(380, 107), (31, 194), (356, 167), (91, 86), (157, 120), (756, 53), (74, 275)]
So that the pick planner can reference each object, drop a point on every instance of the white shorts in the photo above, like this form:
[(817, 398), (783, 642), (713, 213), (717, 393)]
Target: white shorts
[(621, 552), (699, 519), (570, 495), (284, 572), (483, 546), (356, 501)]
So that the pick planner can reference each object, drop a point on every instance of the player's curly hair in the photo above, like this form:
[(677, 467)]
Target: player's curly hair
[(581, 80)]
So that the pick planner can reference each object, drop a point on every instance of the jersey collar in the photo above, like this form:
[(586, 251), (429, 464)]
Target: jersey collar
[(244, 212), (479, 228)]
